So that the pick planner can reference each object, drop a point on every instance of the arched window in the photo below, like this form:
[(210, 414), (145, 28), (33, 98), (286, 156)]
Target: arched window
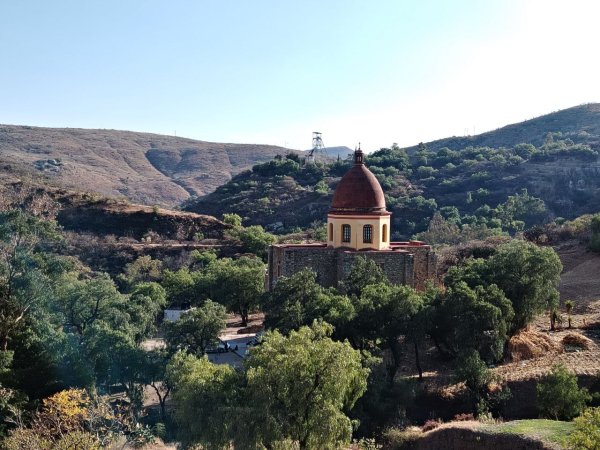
[(384, 233), (346, 233), (331, 232), (368, 234)]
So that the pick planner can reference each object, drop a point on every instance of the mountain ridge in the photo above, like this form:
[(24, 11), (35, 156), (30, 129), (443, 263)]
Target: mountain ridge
[(143, 167), (584, 117)]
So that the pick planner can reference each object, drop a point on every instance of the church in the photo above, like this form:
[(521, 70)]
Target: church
[(358, 225)]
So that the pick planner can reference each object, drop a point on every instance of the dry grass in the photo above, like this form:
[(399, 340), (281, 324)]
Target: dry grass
[(531, 344), (577, 340), (145, 168)]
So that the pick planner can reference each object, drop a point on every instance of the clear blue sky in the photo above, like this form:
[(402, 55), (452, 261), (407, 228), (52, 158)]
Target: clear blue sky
[(274, 71)]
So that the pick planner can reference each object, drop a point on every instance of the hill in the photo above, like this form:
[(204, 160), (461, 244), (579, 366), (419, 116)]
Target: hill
[(142, 167), (536, 171), (582, 121)]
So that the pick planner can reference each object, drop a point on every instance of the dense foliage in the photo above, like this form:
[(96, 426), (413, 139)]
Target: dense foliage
[(471, 192), (559, 396), (293, 389)]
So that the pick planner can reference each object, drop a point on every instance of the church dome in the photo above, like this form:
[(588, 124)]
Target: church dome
[(358, 192)]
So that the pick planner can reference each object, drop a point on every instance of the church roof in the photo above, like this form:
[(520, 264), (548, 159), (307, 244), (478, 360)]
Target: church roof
[(358, 192)]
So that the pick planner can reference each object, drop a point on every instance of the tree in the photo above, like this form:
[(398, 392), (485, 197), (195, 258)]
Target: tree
[(232, 219), (293, 390), (521, 210), (477, 378), (144, 307), (206, 397), (144, 269), (196, 330), (301, 385), (383, 315), (24, 270), (299, 300), (180, 287), (465, 319), (569, 307), (255, 240), (558, 395), (83, 302), (237, 284), (586, 435), (362, 273), (527, 274)]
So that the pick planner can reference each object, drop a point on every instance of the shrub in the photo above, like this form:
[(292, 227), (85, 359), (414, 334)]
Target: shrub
[(558, 395), (431, 424), (463, 417), (587, 431), (398, 439)]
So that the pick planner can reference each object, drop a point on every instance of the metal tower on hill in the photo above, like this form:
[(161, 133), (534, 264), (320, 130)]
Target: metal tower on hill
[(317, 147)]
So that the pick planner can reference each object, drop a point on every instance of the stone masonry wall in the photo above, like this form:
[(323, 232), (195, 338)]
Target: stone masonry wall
[(332, 265), (397, 265)]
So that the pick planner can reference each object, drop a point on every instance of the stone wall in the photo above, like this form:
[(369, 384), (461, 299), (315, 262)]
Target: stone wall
[(286, 260), (425, 264), (333, 265), (397, 265)]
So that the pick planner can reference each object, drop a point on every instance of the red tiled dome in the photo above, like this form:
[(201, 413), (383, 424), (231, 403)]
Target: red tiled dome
[(358, 191)]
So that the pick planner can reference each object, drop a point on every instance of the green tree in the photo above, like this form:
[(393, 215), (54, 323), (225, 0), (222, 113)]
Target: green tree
[(384, 314), (143, 269), (473, 371), (180, 287), (84, 302), (237, 284), (145, 305), (25, 271), (467, 319), (196, 330), (569, 307), (207, 400), (558, 395), (299, 300), (232, 219), (521, 210), (586, 435), (363, 273), (301, 385), (527, 274), (254, 239)]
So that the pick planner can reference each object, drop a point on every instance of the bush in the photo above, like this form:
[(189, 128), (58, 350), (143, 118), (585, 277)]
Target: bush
[(397, 439), (587, 431), (558, 395), (431, 424)]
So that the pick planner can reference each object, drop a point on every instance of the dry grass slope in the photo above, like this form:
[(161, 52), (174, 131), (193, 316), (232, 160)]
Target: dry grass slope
[(145, 168)]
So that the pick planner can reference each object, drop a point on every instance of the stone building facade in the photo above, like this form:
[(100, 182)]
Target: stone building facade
[(358, 224)]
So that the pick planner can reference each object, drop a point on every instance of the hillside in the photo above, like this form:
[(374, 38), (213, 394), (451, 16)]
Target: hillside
[(582, 121), (142, 167), (536, 171)]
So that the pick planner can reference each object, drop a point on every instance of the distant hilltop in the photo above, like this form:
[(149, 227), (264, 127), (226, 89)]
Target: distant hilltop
[(167, 170), (582, 119), (142, 167)]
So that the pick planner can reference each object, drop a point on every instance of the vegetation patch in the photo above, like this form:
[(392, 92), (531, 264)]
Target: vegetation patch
[(554, 431)]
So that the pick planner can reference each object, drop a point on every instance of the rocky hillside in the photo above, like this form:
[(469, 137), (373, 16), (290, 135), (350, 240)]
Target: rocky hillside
[(582, 121), (142, 167), (502, 181)]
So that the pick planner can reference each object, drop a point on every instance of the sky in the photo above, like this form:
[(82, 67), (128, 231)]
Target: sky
[(274, 71)]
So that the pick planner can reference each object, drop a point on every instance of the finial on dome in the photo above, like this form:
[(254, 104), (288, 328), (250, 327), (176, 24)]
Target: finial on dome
[(358, 155)]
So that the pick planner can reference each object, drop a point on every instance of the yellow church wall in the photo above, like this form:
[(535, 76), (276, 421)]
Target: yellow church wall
[(335, 223)]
